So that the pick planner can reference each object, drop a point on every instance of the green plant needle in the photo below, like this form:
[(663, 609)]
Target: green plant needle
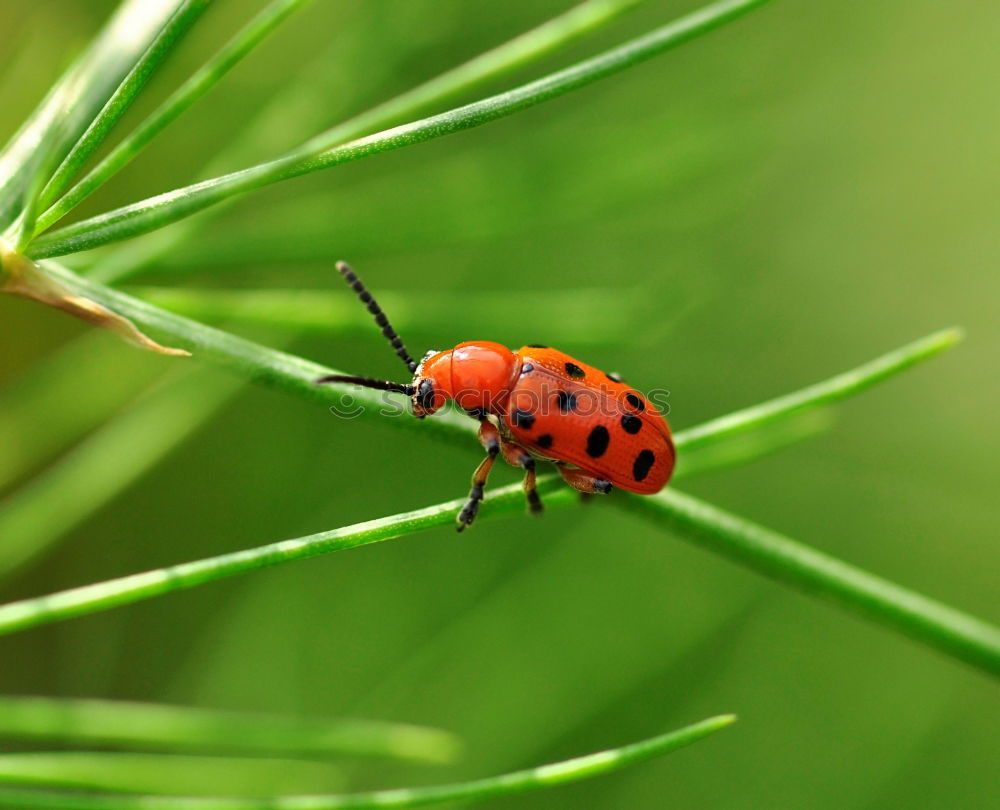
[(327, 150), (530, 779)]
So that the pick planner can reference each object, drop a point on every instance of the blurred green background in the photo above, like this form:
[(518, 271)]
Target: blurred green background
[(782, 199)]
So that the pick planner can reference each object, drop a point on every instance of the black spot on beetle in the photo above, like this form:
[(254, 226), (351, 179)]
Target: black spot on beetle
[(544, 441), (522, 419), (597, 441), (642, 464), (631, 424), (526, 368), (574, 371), (536, 346), (566, 401), (635, 402)]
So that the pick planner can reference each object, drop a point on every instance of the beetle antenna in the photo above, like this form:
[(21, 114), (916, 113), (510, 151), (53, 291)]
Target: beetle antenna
[(366, 298), (369, 382)]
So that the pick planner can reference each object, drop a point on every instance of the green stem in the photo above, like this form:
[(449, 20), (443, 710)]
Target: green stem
[(136, 587), (193, 89), (944, 628), (324, 152), (545, 776), (250, 360)]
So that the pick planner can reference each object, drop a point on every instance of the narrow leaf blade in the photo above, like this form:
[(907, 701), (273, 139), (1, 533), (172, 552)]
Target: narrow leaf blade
[(78, 96), (323, 151)]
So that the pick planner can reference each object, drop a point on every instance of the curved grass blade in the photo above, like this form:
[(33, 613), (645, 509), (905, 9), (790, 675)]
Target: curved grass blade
[(325, 150), (545, 776), (255, 32), (78, 96), (186, 729), (185, 15)]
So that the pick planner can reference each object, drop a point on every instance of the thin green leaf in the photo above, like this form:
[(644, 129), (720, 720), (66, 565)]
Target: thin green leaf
[(815, 396), (34, 517), (545, 776), (187, 729), (324, 152), (171, 774), (939, 626), (548, 37), (185, 15), (255, 32), (136, 587), (516, 53), (78, 96), (280, 370)]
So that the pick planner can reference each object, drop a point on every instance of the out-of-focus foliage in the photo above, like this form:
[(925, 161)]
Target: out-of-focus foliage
[(783, 199)]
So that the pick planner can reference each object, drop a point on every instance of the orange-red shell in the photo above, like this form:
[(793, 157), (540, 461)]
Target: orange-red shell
[(565, 410), (558, 408)]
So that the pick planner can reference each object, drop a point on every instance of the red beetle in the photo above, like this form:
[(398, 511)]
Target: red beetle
[(597, 430)]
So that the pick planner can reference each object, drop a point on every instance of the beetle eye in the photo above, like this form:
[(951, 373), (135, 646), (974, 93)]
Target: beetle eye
[(425, 395)]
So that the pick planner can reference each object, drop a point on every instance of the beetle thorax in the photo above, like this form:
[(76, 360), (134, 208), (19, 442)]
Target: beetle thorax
[(477, 375)]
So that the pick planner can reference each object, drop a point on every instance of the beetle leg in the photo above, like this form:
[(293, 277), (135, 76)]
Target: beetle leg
[(517, 456), (489, 437), (584, 481)]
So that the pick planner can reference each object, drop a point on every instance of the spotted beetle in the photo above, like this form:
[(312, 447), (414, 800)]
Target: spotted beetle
[(535, 403)]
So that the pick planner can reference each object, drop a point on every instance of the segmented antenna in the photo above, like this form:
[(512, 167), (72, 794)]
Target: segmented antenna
[(369, 382), (366, 298)]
